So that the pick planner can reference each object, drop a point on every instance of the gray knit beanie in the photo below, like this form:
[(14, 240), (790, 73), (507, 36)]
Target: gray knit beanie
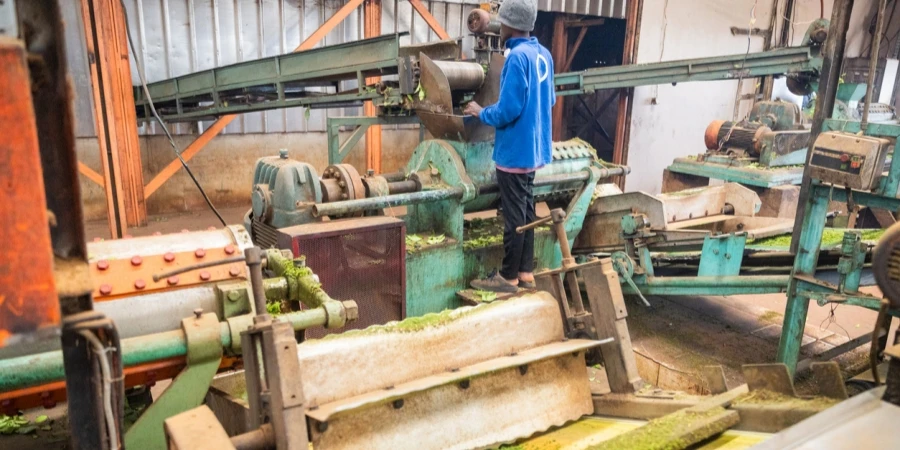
[(519, 14)]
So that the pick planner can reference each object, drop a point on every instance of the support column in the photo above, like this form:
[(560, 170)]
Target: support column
[(559, 52), (114, 112), (372, 28), (626, 96)]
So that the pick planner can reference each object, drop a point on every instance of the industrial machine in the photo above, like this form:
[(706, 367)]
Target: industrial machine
[(846, 164), (757, 151)]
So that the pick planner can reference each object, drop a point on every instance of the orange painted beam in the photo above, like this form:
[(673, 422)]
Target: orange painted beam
[(90, 174), (372, 28), (219, 125), (429, 19)]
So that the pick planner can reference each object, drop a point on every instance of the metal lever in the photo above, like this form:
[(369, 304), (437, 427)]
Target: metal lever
[(534, 224)]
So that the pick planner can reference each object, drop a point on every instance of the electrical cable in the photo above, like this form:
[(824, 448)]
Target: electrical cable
[(140, 69), (737, 95), (107, 387)]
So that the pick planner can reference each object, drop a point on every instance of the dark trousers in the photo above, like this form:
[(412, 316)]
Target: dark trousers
[(517, 203)]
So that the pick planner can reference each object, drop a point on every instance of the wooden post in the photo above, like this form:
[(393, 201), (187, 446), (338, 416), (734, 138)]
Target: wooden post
[(114, 114), (220, 124), (626, 96), (372, 29), (609, 313), (558, 51)]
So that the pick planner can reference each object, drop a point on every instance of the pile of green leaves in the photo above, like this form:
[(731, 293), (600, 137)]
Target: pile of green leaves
[(21, 425), (414, 242), (486, 296)]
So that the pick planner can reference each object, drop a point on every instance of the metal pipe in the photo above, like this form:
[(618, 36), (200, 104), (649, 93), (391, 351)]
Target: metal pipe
[(366, 204), (467, 76), (402, 187), (254, 264), (832, 58), (42, 368), (873, 64), (394, 176)]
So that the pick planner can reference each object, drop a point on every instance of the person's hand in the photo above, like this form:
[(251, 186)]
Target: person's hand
[(472, 109)]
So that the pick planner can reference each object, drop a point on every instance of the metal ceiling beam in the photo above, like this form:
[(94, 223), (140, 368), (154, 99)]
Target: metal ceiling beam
[(188, 153)]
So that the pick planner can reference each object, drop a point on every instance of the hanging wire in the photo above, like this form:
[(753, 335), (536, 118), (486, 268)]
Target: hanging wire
[(140, 69)]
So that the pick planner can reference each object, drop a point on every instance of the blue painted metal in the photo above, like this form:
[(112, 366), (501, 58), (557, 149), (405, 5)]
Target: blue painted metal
[(722, 255), (753, 176)]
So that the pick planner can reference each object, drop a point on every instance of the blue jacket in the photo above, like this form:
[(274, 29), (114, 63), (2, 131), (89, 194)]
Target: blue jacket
[(522, 115)]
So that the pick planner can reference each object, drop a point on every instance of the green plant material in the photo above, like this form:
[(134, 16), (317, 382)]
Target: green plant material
[(12, 424), (307, 113), (273, 308), (413, 243), (486, 296), (766, 397), (420, 92), (46, 428), (434, 240), (667, 432), (771, 317), (830, 238), (40, 419), (413, 324)]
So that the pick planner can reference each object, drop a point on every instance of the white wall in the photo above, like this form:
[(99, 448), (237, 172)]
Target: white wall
[(673, 126)]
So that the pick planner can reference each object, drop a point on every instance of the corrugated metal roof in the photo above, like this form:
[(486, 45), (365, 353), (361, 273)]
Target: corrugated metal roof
[(603, 8)]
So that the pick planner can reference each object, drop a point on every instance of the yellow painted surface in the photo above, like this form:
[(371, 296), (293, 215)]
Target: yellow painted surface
[(589, 431)]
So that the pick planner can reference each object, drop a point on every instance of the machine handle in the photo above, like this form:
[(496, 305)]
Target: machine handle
[(534, 224)]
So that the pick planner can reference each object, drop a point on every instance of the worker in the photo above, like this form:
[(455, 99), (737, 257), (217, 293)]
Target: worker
[(522, 144)]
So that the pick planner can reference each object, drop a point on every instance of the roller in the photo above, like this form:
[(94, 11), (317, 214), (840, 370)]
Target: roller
[(464, 76)]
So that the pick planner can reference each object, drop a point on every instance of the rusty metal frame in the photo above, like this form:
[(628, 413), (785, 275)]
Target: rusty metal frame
[(188, 153), (626, 96)]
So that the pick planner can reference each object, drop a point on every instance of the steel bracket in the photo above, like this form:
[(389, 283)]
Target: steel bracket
[(188, 389)]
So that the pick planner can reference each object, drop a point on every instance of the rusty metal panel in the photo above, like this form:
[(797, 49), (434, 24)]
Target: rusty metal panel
[(28, 300)]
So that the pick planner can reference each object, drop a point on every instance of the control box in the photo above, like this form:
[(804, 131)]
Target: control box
[(849, 160)]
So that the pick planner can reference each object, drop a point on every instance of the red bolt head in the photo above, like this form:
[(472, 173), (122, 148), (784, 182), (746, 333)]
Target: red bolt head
[(98, 239), (169, 257), (205, 276), (234, 271), (211, 228), (199, 253), (127, 236), (105, 289), (173, 280), (102, 264), (136, 260), (229, 249), (139, 284)]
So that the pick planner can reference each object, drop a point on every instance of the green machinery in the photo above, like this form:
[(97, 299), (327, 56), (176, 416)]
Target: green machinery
[(204, 341), (847, 164)]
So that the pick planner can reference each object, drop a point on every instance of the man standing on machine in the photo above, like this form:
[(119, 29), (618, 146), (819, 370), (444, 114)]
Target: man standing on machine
[(523, 139)]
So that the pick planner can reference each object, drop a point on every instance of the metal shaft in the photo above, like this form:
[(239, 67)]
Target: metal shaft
[(873, 64), (254, 263), (367, 204), (42, 368)]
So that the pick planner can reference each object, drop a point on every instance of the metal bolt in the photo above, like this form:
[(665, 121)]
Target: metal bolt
[(398, 403), (199, 253), (322, 426), (169, 257), (198, 312), (234, 296), (229, 249), (105, 289), (464, 384), (139, 284), (136, 260), (173, 280), (205, 276), (283, 153), (523, 369), (342, 184), (370, 172), (234, 271), (102, 264)]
